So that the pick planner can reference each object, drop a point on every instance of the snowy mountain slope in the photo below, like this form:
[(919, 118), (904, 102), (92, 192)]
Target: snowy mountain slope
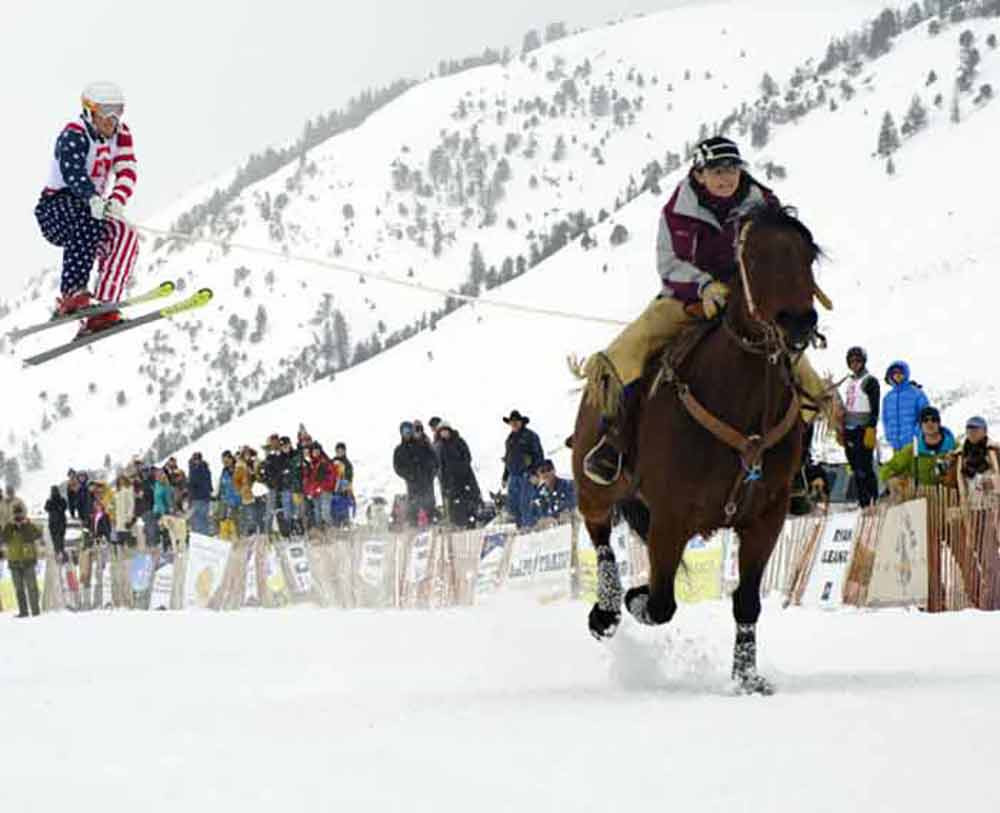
[(504, 360), (909, 272), (500, 707)]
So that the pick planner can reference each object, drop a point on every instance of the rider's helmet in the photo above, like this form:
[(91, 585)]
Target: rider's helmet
[(717, 151), (105, 98)]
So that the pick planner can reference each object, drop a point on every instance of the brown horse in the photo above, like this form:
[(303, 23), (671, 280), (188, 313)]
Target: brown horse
[(717, 437)]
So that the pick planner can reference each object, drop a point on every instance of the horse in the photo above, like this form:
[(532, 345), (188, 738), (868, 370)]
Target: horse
[(716, 437)]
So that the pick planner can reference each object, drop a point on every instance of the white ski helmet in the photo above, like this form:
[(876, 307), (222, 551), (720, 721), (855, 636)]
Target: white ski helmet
[(105, 98)]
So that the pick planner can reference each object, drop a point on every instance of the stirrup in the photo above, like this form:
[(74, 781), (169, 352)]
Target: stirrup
[(597, 467)]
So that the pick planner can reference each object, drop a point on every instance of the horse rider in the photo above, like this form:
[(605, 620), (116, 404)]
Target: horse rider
[(696, 256)]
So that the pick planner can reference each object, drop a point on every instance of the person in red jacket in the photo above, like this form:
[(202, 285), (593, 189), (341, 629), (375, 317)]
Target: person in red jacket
[(319, 481), (697, 262)]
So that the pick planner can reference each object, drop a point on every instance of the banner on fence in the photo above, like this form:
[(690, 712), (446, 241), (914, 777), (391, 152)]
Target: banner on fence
[(373, 562), (700, 578), (420, 554), (541, 561), (491, 560), (163, 587), (140, 572), (825, 587), (298, 565), (206, 565), (899, 573), (251, 593)]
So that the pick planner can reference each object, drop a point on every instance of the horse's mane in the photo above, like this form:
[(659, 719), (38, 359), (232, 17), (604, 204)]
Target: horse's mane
[(773, 216)]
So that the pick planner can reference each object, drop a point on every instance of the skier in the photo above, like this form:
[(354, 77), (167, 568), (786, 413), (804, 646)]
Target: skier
[(81, 211)]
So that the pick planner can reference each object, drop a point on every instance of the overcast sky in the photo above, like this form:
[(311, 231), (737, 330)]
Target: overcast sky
[(209, 81)]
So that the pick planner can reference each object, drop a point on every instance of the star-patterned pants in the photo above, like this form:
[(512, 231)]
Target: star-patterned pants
[(65, 221)]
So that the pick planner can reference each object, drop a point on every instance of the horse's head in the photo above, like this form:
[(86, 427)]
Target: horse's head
[(776, 255)]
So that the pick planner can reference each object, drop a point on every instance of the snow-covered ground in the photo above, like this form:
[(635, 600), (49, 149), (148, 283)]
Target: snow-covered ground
[(508, 706)]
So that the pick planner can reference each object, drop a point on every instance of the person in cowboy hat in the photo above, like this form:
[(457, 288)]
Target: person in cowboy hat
[(523, 452), (696, 260)]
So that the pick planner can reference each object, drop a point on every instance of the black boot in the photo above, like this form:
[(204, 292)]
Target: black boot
[(603, 463), (748, 681)]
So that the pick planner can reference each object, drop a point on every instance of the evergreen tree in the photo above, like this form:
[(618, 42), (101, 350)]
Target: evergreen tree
[(760, 130), (341, 339), (890, 167), (531, 42), (477, 268), (888, 137), (968, 60), (559, 153), (769, 87), (916, 117)]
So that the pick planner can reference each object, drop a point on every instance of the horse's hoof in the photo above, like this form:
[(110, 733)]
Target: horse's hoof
[(603, 624), (753, 683), (637, 602)]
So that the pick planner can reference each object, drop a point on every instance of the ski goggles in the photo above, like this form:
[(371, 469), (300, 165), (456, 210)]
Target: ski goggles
[(109, 111)]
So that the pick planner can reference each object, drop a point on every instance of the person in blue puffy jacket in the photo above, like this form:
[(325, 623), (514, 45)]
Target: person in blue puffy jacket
[(901, 406)]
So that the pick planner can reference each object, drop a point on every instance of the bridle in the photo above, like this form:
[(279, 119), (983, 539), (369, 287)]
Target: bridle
[(772, 345)]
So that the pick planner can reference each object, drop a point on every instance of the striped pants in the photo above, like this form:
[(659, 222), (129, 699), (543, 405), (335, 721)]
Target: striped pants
[(66, 222)]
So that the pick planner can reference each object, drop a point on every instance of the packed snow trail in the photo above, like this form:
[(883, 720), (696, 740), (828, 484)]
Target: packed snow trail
[(503, 707)]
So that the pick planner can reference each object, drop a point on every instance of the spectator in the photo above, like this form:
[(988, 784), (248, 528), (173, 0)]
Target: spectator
[(229, 498), (925, 459), (84, 506), (163, 503), (554, 496), (414, 461), (340, 456), (289, 488), (861, 403), (101, 501), (271, 469), (523, 453), (124, 503), (55, 507), (10, 499), (19, 537), (319, 481), (200, 488), (459, 489), (978, 461), (901, 406), (143, 485), (243, 483), (72, 494)]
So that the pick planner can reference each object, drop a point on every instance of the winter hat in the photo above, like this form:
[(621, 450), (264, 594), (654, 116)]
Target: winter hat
[(976, 422), (406, 428), (929, 412), (516, 416), (434, 422), (859, 353), (442, 424), (717, 151)]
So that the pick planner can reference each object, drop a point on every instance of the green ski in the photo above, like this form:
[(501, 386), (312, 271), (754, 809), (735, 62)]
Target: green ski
[(196, 300)]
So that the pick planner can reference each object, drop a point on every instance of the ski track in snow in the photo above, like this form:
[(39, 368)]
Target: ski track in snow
[(505, 706)]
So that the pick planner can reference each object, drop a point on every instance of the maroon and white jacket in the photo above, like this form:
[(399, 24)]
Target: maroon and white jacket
[(692, 247)]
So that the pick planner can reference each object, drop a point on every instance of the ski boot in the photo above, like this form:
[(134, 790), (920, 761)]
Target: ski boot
[(72, 302), (103, 321)]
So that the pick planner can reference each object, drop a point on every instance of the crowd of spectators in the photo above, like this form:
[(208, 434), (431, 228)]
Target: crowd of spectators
[(924, 452)]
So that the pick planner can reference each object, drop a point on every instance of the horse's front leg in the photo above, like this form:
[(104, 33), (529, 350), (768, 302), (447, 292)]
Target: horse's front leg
[(606, 614), (756, 543), (654, 603)]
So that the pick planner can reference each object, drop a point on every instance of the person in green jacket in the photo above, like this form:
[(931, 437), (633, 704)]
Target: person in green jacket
[(19, 537), (926, 459)]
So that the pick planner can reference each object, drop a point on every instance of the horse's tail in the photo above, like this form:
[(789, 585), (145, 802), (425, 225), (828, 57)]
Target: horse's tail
[(602, 385)]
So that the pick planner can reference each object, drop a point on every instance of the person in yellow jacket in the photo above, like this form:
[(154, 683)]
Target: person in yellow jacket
[(19, 537)]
